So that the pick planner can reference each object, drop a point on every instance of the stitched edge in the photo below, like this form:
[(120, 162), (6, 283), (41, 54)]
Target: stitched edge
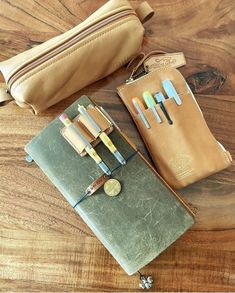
[(96, 141), (68, 54), (81, 28)]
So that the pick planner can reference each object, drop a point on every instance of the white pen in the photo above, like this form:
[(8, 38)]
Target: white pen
[(139, 107), (102, 135)]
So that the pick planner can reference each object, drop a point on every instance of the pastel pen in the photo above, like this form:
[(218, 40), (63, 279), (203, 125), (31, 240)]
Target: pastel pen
[(150, 102), (139, 108), (88, 147), (160, 98), (171, 91), (102, 135)]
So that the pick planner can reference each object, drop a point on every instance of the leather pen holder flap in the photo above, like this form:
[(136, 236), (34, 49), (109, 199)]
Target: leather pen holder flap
[(186, 150), (87, 130)]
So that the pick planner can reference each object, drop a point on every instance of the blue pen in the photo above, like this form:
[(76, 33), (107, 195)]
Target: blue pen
[(171, 91)]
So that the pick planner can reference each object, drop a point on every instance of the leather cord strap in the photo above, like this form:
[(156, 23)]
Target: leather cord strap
[(144, 12), (5, 98), (141, 57)]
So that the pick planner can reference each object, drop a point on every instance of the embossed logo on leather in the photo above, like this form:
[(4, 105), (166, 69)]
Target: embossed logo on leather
[(162, 62), (181, 166), (167, 60)]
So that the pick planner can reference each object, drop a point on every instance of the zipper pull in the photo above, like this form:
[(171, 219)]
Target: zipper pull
[(140, 56), (136, 73), (133, 77)]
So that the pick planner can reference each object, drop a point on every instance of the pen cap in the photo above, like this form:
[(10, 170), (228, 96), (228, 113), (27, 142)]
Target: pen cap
[(137, 101), (159, 97), (65, 119), (81, 109), (148, 98)]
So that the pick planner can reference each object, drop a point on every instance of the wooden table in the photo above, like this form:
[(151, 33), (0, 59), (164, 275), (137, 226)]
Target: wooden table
[(44, 245)]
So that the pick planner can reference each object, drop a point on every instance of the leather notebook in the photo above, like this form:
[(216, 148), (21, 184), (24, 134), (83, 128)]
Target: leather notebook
[(135, 226)]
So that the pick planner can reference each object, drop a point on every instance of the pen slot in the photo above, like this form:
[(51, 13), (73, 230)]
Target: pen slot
[(99, 119), (162, 110), (185, 151), (86, 130), (152, 119)]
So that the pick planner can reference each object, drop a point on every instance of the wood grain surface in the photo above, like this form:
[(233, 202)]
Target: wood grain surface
[(44, 245)]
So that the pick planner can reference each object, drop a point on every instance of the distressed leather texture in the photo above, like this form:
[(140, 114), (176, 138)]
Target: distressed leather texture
[(186, 151), (90, 59), (138, 224)]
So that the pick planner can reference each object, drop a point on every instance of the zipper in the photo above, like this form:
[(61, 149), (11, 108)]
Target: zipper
[(25, 68), (137, 76)]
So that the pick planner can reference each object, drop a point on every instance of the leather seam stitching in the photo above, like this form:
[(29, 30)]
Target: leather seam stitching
[(68, 54), (81, 24)]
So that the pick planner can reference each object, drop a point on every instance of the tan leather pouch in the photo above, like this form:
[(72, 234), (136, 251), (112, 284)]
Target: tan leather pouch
[(46, 74), (185, 151)]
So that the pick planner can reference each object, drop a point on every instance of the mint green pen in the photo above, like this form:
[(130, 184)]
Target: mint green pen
[(149, 100)]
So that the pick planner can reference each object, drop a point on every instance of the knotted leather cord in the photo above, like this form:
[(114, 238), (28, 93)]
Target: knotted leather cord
[(87, 194)]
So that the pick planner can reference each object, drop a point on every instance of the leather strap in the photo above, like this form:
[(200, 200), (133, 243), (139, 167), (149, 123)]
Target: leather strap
[(155, 59), (144, 12), (143, 57), (5, 98)]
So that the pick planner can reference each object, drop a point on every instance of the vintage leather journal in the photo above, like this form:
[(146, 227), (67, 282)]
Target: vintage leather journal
[(186, 150), (139, 223), (44, 75)]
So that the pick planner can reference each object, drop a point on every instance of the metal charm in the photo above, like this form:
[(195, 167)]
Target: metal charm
[(29, 159), (146, 282)]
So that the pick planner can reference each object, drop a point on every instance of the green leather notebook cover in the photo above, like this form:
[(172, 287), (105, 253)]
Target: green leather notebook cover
[(138, 224)]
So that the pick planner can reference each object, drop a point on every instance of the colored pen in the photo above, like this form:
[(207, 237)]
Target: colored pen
[(160, 98), (88, 147), (103, 136), (171, 91), (139, 107), (149, 100)]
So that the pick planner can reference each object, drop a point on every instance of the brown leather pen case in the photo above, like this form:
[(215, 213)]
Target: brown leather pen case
[(185, 151)]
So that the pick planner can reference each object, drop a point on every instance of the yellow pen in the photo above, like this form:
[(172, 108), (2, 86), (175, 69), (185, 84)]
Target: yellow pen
[(102, 135), (89, 149), (150, 102)]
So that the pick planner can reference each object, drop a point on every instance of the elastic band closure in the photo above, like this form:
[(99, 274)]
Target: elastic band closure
[(81, 199), (128, 158), (84, 195)]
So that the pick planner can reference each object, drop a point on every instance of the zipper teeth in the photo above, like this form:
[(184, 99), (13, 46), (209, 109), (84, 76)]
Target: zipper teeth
[(67, 44)]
